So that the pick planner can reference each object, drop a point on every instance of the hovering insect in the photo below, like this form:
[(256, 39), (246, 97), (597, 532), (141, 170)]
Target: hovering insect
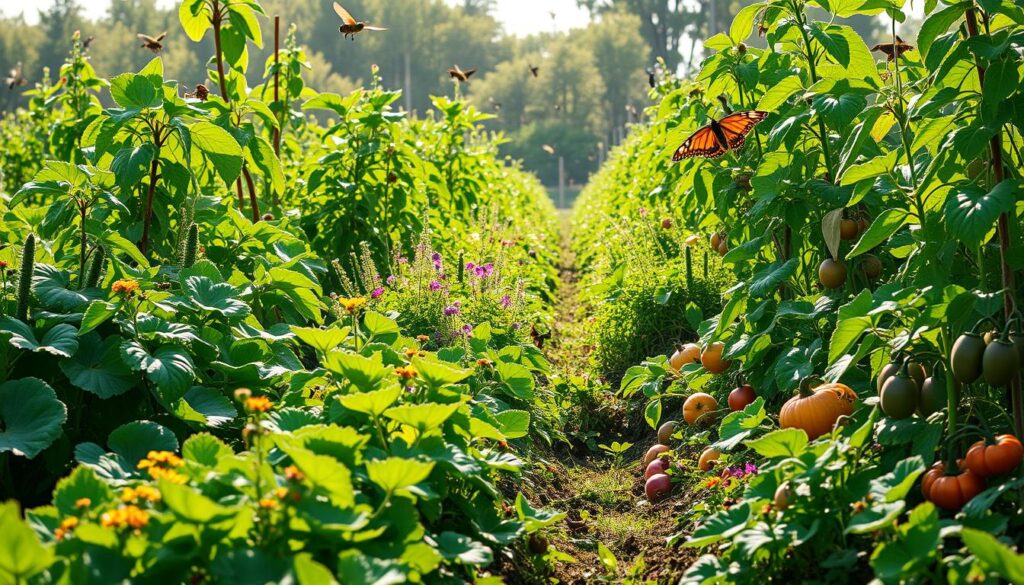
[(16, 77), (351, 26), (720, 136), (201, 93), (535, 70), (651, 79), (462, 76), (88, 41), (893, 50), (152, 43), (548, 149)]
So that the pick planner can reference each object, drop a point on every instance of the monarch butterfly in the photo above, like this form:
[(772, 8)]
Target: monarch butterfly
[(720, 136)]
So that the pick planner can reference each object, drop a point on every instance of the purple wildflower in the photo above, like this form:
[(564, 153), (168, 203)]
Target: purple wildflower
[(506, 302), (436, 257), (643, 212), (392, 279), (467, 329), (435, 286), (377, 292), (485, 270), (470, 266), (453, 309)]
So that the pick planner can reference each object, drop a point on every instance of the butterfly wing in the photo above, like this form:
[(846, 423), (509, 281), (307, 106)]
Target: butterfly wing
[(702, 143), (737, 126), (345, 16)]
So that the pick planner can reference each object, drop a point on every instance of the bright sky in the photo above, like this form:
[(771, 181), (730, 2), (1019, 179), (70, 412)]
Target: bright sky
[(518, 16)]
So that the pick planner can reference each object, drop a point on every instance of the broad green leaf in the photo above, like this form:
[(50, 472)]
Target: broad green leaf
[(772, 276), (395, 473), (994, 555), (61, 340), (189, 505), (372, 403), (971, 213), (720, 525), (83, 483), (518, 380), (22, 555), (96, 314), (870, 169), (513, 423), (97, 367), (422, 417), (780, 443), (195, 18), (881, 229), (355, 567), (220, 298), (220, 147), (364, 373), (135, 91), (438, 374), (779, 93), (324, 472), (132, 441), (205, 449), (31, 417), (743, 23), (169, 367)]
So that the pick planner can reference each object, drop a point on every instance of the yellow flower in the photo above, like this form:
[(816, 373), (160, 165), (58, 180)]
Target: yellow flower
[(412, 352), (131, 516), (125, 287), (83, 503), (168, 474), (351, 305), (281, 493), (165, 458), (268, 504), (258, 404), (66, 526), (406, 372), (143, 492)]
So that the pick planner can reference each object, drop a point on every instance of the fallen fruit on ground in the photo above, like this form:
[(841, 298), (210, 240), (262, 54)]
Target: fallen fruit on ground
[(657, 487), (666, 430), (707, 458), (654, 452), (815, 409)]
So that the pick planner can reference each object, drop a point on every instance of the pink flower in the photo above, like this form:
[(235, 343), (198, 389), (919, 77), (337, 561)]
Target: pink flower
[(435, 285), (392, 279), (377, 292), (506, 302)]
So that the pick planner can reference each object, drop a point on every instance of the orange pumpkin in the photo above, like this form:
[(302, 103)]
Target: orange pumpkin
[(712, 360), (707, 458), (816, 410), (698, 408), (688, 354), (1001, 457), (950, 492)]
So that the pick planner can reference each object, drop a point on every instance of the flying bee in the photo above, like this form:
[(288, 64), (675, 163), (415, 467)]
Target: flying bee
[(16, 78), (201, 93), (548, 149), (351, 26), (535, 70), (88, 41), (893, 50), (652, 80), (152, 43), (462, 76)]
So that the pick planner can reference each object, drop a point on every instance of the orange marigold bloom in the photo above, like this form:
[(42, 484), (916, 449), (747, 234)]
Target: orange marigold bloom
[(406, 372), (125, 287), (412, 352), (83, 503), (422, 338), (130, 516), (281, 493), (168, 474), (258, 404), (713, 482), (351, 305), (69, 523), (268, 504), (143, 492), (292, 473)]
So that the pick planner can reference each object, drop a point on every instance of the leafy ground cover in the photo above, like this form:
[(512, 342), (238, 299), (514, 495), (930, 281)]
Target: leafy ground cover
[(242, 343)]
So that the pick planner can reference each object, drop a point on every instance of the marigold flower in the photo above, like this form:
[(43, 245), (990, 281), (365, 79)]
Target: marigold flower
[(168, 474), (268, 504), (155, 458), (143, 492), (125, 287), (130, 516), (406, 372), (352, 305), (422, 338), (713, 482), (66, 526), (292, 473), (258, 404), (281, 493), (411, 352), (83, 503), (3, 264)]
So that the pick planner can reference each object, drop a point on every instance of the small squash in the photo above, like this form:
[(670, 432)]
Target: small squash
[(708, 458), (816, 410), (1001, 457), (698, 409), (712, 360), (688, 354), (950, 491)]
